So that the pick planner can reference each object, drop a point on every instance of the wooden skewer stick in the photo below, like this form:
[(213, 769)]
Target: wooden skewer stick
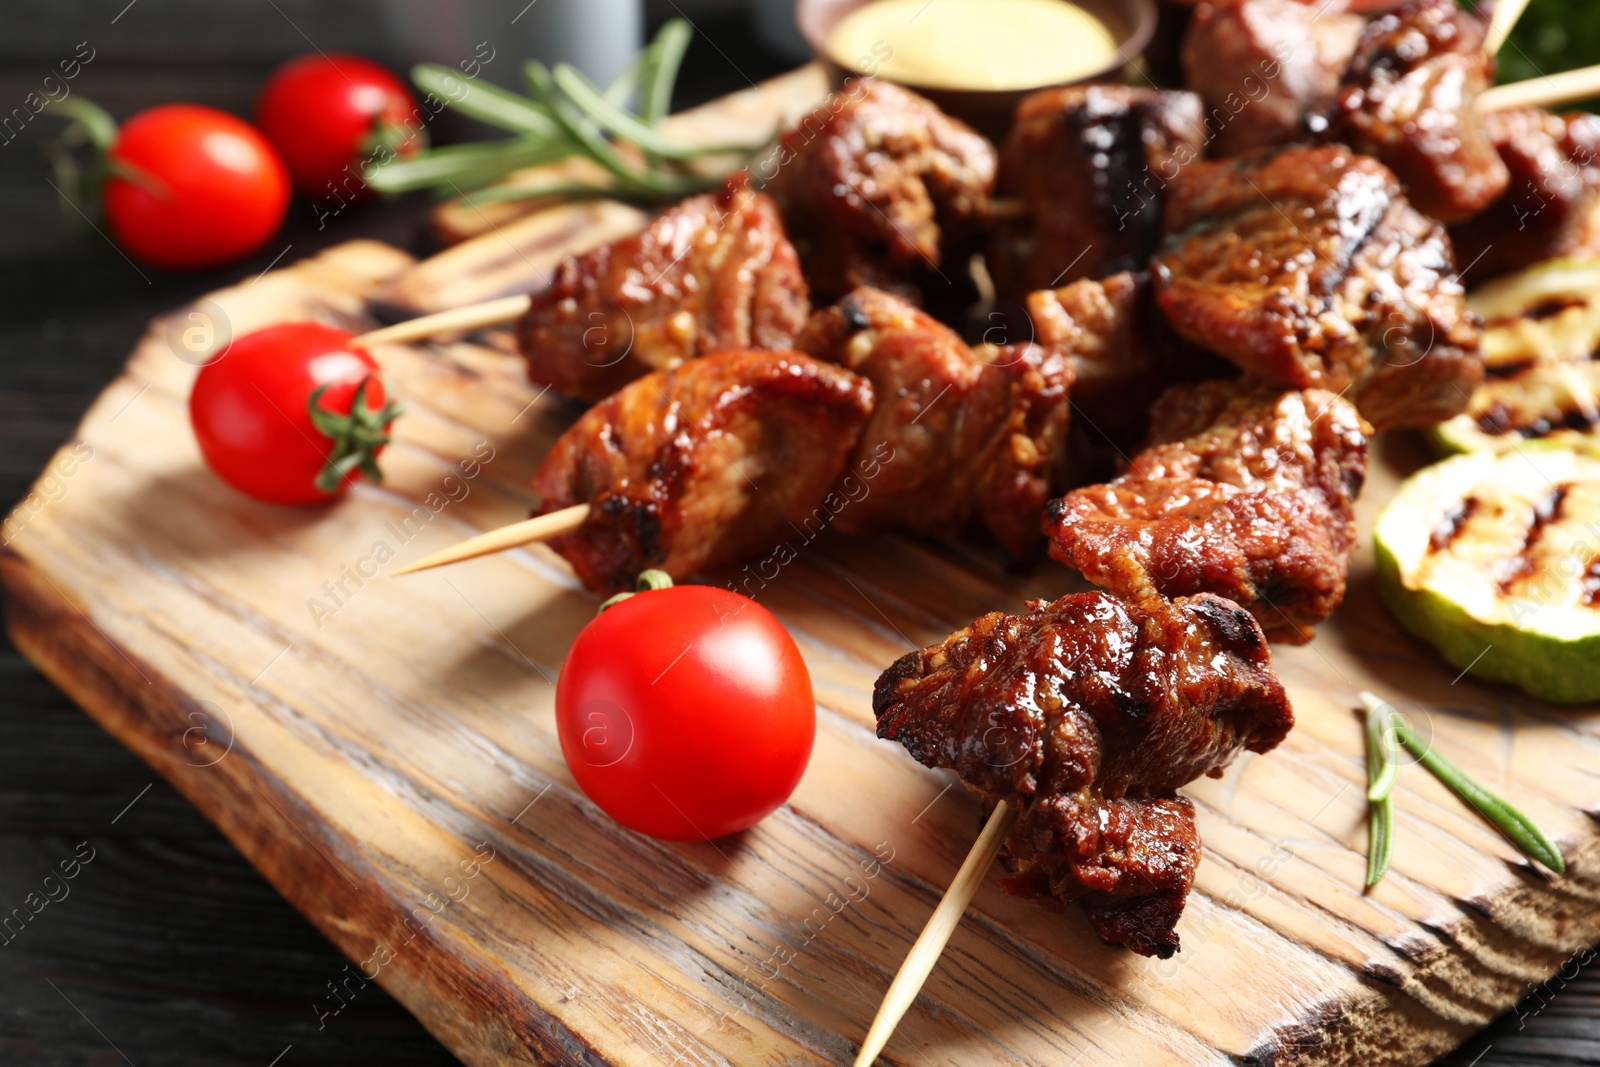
[(1549, 91), (1506, 14), (925, 953), (526, 532), (456, 320)]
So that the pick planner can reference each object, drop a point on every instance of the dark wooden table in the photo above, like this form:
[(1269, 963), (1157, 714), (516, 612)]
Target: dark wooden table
[(168, 949)]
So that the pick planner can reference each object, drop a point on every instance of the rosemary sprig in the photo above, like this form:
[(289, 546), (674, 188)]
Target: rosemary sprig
[(566, 115), (1383, 767), (1516, 826)]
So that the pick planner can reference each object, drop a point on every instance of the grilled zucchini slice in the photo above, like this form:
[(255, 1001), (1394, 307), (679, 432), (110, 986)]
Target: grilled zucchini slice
[(1542, 380), (1494, 558)]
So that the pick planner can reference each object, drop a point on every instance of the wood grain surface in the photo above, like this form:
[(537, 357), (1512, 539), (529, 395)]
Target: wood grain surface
[(383, 752)]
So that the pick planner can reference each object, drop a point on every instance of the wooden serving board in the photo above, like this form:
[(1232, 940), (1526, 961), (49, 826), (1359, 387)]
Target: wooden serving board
[(383, 751)]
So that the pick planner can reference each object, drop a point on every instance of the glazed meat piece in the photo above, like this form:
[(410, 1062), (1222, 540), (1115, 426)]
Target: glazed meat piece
[(1245, 491), (957, 435), (1307, 268), (1088, 163), (1087, 714), (712, 274), (1266, 69), (696, 466), (1409, 98), (1551, 207), (879, 187), (1121, 351)]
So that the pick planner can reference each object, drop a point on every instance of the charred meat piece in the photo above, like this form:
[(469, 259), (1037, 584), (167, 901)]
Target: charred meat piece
[(1266, 67), (1088, 164), (696, 466), (1246, 492), (957, 435), (712, 274), (879, 187), (1122, 353), (1552, 206), (1087, 714), (1307, 268), (1409, 98)]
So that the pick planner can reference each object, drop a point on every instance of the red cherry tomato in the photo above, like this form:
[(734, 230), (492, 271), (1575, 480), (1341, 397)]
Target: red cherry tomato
[(251, 412), (686, 712), (328, 115), (199, 188)]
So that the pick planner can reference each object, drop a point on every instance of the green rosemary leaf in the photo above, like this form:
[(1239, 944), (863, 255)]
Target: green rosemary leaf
[(598, 110), (464, 166), (594, 144), (480, 100), (1383, 754), (663, 58), (1380, 845), (1508, 820)]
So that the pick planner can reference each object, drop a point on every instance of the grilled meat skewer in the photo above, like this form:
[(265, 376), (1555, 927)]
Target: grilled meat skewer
[(1088, 714), (1244, 491), (698, 465), (1308, 269), (880, 188), (1087, 164), (1409, 98), (715, 273), (959, 434)]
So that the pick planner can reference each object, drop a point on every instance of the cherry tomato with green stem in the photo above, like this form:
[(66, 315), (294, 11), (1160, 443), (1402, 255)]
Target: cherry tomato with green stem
[(685, 712), (330, 115), (292, 414)]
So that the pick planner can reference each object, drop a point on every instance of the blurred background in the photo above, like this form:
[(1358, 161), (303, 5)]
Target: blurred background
[(170, 950)]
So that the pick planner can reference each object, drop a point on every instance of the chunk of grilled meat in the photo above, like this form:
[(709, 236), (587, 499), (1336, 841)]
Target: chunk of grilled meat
[(1087, 714), (1552, 206), (881, 188), (1122, 352), (699, 465), (1409, 98), (1088, 163), (712, 274), (1245, 491), (1268, 70), (1307, 268), (957, 435)]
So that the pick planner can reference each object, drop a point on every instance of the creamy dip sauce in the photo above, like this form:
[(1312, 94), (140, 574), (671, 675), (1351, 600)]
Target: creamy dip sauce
[(976, 44)]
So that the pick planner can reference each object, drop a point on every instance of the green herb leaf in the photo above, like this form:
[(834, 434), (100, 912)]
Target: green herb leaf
[(1383, 752), (1507, 819), (607, 116), (662, 60), (485, 102), (1380, 840), (465, 166)]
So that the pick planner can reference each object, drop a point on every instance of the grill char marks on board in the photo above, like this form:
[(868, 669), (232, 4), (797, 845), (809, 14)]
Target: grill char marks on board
[(1549, 509), (1308, 269), (697, 466), (1087, 714)]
